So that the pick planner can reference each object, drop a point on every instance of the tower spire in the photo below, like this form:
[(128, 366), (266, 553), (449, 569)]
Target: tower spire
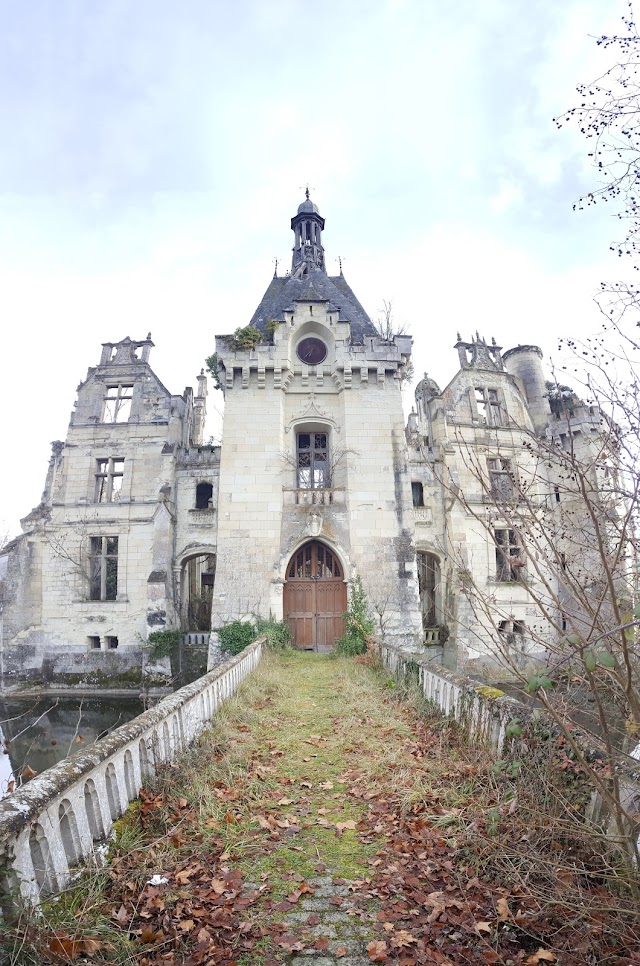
[(308, 253)]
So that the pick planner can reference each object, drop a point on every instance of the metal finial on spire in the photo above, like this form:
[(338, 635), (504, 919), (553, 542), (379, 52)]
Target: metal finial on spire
[(275, 269), (306, 192), (340, 263)]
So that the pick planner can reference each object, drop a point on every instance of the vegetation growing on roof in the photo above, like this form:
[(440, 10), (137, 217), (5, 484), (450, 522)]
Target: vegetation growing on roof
[(247, 338)]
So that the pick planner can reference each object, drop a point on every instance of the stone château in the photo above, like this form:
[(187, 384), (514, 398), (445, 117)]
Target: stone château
[(318, 479)]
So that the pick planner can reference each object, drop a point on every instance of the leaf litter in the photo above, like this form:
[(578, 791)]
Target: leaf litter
[(222, 855)]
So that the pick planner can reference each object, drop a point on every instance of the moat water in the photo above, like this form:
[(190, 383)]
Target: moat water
[(36, 733)]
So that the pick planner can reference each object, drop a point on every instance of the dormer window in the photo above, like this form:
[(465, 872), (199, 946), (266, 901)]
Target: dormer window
[(117, 404), (488, 406)]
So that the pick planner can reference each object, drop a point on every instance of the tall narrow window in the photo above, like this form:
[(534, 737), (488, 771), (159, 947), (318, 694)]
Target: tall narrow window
[(508, 555), (500, 478), (417, 493), (109, 474), (312, 460), (204, 494), (117, 404), (103, 568)]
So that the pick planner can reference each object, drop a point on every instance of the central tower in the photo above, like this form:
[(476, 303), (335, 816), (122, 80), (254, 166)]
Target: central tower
[(314, 485)]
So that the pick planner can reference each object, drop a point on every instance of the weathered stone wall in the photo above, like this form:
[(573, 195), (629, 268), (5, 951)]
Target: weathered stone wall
[(354, 397), (51, 624)]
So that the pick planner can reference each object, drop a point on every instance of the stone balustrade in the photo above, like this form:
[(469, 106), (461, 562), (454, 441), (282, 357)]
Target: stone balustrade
[(55, 822), (484, 714), (314, 497)]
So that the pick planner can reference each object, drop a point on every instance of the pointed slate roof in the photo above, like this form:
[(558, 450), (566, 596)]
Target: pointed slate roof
[(315, 287)]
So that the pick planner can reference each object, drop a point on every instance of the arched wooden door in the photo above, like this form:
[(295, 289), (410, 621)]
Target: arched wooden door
[(315, 597)]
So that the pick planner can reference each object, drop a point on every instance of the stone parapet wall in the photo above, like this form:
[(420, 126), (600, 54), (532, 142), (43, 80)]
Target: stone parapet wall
[(56, 821), (484, 713)]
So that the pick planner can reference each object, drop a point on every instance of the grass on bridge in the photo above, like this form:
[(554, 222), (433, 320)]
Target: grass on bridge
[(323, 816)]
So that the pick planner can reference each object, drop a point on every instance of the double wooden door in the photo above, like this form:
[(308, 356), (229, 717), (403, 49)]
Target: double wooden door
[(315, 598)]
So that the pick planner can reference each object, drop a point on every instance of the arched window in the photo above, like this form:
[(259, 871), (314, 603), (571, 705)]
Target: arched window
[(204, 494)]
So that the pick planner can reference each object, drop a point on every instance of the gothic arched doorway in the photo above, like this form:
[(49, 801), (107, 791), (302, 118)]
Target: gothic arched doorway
[(315, 597)]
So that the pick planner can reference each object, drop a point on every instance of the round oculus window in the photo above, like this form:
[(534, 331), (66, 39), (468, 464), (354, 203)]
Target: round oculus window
[(311, 350)]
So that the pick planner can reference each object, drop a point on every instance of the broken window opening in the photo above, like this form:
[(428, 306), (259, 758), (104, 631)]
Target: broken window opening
[(508, 556), (501, 481), (312, 461), (103, 568), (117, 404), (109, 476), (488, 406), (112, 642), (417, 493), (93, 642), (204, 496)]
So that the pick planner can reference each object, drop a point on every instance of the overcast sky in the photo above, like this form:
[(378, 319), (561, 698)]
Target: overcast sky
[(154, 151)]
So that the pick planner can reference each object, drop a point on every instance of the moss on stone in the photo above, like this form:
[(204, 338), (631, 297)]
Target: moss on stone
[(490, 693)]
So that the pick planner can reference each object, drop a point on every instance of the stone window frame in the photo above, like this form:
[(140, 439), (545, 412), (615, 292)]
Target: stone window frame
[(109, 478), (203, 487), (117, 402), (489, 405), (318, 460), (417, 493), (103, 567), (502, 479), (508, 555)]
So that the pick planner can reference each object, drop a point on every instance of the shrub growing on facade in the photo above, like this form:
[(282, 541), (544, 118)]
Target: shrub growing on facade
[(276, 632), (164, 643), (237, 635), (358, 633)]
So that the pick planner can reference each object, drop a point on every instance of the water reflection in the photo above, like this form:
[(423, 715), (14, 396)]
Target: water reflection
[(36, 733)]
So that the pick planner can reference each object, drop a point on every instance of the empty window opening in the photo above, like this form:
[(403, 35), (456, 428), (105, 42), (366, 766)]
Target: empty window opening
[(417, 493), (563, 622), (501, 480), (109, 475), (94, 642), (504, 627), (508, 555), (103, 568), (563, 560), (117, 404), (198, 579), (519, 627), (204, 496), (312, 460), (112, 642), (488, 405), (556, 493), (428, 580)]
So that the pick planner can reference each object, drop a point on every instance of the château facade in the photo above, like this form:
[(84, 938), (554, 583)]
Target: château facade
[(318, 480)]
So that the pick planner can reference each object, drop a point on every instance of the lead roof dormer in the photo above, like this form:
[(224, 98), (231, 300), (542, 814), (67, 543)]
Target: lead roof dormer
[(478, 354)]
